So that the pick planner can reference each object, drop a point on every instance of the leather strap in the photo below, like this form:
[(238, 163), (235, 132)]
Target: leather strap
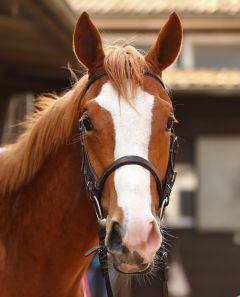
[(102, 73), (155, 76), (103, 259), (130, 160), (93, 78)]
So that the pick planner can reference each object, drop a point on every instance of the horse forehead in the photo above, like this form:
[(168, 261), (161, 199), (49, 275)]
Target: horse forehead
[(138, 111)]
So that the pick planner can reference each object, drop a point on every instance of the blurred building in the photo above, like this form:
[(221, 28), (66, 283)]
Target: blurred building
[(35, 47), (204, 213)]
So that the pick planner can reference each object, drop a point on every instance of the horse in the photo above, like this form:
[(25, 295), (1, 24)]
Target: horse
[(47, 221)]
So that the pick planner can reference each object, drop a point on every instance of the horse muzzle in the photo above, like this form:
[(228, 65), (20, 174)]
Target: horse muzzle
[(133, 251)]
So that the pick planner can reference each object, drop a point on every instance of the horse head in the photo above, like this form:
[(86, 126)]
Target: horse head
[(126, 111)]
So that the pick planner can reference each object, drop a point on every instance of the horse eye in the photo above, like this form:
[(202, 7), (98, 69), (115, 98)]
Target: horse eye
[(170, 122), (87, 124)]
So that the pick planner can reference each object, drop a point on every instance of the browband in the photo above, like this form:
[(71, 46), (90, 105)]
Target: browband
[(102, 73)]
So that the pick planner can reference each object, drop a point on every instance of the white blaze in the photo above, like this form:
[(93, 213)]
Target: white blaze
[(132, 135)]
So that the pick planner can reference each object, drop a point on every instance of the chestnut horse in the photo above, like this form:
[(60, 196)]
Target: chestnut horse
[(46, 220)]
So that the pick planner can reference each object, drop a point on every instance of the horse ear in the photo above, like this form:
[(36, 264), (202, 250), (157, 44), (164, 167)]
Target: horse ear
[(167, 46), (87, 43)]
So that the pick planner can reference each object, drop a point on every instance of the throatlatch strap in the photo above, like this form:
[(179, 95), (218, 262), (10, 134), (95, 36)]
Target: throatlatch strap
[(102, 255), (164, 271)]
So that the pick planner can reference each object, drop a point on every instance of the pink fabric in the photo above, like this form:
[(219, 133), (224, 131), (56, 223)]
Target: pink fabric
[(86, 289)]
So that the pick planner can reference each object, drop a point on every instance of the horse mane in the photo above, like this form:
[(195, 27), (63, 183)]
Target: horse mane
[(52, 125), (125, 68)]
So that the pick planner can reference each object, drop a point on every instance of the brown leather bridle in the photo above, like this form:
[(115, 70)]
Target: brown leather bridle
[(95, 185)]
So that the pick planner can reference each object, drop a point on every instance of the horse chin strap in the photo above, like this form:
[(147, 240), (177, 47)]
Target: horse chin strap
[(95, 185)]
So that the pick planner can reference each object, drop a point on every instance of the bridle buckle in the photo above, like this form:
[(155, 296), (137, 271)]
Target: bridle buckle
[(96, 206), (163, 206)]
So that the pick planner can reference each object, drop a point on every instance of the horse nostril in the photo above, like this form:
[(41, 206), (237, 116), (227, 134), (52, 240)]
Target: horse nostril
[(114, 241)]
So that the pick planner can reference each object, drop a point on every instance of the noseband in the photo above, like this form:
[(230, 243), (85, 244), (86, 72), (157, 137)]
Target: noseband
[(95, 185)]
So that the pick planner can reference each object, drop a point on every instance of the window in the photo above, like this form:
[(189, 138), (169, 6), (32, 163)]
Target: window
[(187, 203), (181, 210), (219, 183), (212, 51), (217, 56)]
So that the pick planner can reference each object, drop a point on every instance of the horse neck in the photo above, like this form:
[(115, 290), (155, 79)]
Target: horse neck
[(53, 226)]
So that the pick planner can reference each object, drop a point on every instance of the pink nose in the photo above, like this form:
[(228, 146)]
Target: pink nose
[(143, 236)]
